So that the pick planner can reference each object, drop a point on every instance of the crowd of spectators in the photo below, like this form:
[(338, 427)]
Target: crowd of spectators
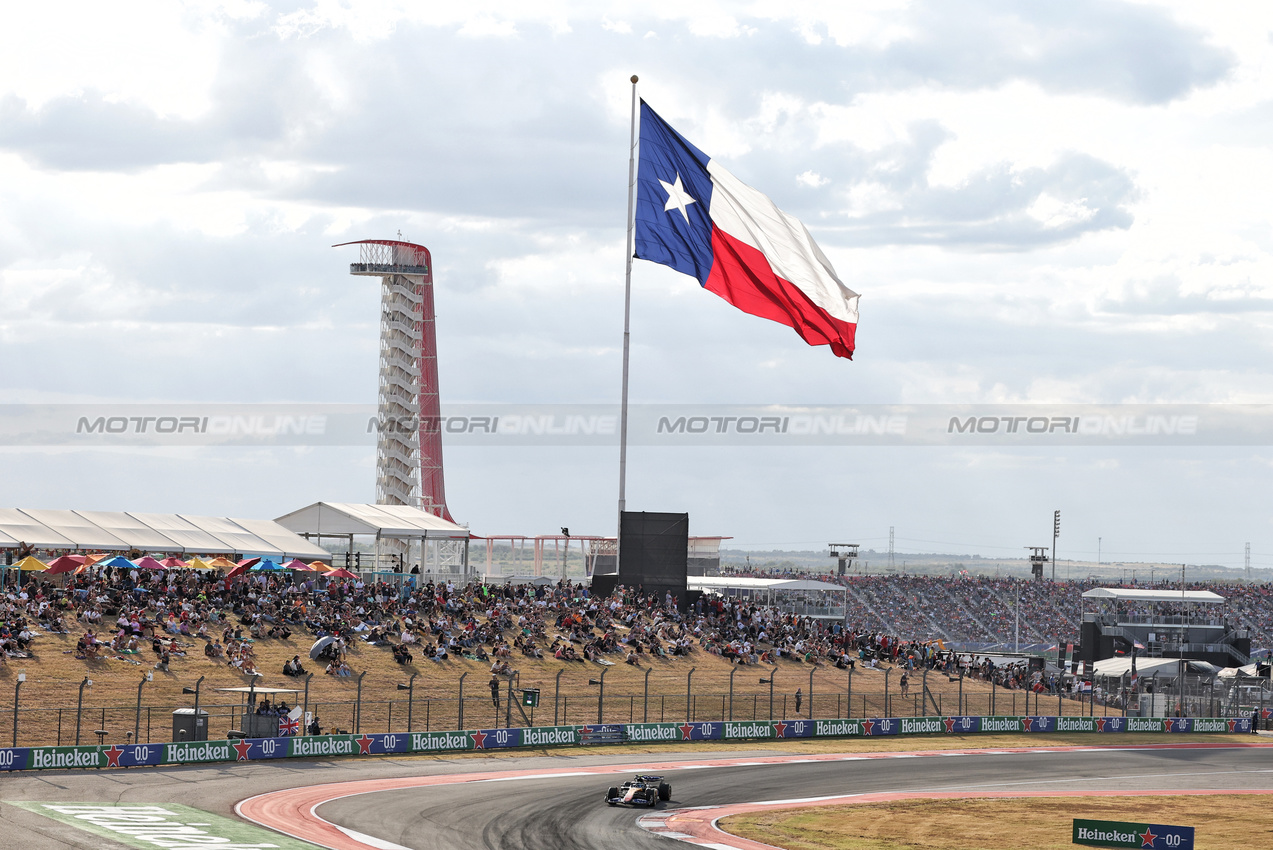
[(907, 621)]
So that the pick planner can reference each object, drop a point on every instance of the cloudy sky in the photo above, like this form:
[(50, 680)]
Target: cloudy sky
[(1039, 203)]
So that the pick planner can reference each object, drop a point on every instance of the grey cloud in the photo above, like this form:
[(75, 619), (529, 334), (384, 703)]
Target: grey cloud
[(990, 209), (1123, 50), (1162, 297)]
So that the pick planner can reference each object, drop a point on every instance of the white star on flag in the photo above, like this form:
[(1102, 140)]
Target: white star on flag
[(677, 197)]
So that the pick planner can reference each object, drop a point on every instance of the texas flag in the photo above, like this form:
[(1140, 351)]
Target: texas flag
[(693, 215)]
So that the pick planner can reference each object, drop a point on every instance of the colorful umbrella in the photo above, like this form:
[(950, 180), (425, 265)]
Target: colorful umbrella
[(31, 564), (248, 562), (117, 561), (148, 563), (236, 572), (340, 572), (173, 562), (299, 565), (90, 560), (265, 565), (319, 566), (197, 564), (65, 564)]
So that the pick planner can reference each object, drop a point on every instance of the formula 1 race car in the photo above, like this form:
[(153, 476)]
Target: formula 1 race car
[(642, 790)]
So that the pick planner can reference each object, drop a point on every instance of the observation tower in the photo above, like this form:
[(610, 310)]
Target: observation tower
[(409, 446)]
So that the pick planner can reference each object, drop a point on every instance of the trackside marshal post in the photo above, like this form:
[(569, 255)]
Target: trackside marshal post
[(1149, 836)]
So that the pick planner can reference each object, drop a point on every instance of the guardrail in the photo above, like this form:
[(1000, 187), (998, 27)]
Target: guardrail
[(399, 743)]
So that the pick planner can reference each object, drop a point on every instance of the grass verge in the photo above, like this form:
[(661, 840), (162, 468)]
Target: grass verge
[(1240, 822)]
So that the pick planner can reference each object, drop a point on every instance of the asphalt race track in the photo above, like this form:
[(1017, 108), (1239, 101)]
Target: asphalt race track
[(559, 809)]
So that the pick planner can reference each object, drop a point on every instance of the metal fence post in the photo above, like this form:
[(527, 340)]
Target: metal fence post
[(688, 708), (459, 720), (887, 672), (601, 695), (848, 708), (557, 696), (645, 716), (733, 668), (772, 674), (358, 706), (17, 686), (811, 672), (137, 721), (79, 708)]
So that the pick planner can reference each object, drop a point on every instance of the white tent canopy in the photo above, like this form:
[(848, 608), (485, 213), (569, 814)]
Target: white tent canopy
[(1120, 594), (114, 531), (1164, 667), (719, 583), (72, 526), (343, 518)]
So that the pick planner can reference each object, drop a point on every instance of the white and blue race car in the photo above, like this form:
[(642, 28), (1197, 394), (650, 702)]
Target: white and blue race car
[(641, 790)]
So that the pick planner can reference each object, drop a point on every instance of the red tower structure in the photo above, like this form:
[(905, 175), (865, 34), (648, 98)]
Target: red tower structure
[(408, 471)]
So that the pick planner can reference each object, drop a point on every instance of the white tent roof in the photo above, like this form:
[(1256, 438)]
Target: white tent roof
[(744, 583), (1144, 595), (380, 520), (18, 526), (81, 532), (239, 538), (134, 532), (1148, 666), (114, 531)]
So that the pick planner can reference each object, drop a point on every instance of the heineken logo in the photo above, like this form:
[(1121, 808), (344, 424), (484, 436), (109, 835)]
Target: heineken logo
[(44, 759), (547, 737), (1073, 724), (1000, 724), (326, 746), (439, 741), (837, 728), (653, 733), (749, 730), (921, 725), (1143, 724), (217, 751), (1210, 725)]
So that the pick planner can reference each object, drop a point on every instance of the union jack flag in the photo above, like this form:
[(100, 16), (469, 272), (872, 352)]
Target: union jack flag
[(289, 726)]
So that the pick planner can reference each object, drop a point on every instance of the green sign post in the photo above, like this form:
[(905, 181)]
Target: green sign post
[(1140, 836), (530, 697)]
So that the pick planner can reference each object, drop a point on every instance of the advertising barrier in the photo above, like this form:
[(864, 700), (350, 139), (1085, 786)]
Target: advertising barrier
[(401, 743)]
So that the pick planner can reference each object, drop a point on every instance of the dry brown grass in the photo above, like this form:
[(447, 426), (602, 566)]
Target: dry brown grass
[(1242, 822), (48, 698)]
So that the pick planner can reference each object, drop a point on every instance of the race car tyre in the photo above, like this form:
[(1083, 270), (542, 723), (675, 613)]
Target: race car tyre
[(611, 794), (665, 791)]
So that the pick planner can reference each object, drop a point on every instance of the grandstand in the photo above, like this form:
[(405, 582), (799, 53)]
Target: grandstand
[(984, 613)]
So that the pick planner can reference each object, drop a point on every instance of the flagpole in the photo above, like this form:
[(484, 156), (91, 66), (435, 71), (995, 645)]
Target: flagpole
[(627, 317)]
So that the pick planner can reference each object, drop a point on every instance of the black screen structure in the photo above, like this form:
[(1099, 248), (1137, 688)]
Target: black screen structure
[(654, 552)]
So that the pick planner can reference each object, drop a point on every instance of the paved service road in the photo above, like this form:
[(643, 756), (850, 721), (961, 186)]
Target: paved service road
[(566, 811)]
